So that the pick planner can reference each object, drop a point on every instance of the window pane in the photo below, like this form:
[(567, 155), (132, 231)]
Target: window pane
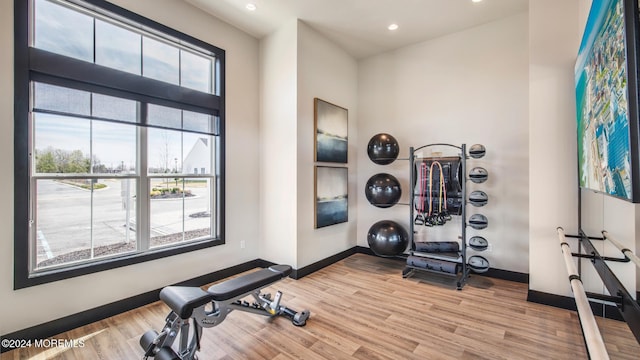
[(109, 107), (195, 71), (61, 144), (160, 61), (113, 147), (180, 210), (164, 116), (164, 150), (63, 31), (167, 211), (118, 48), (63, 222), (113, 221), (56, 98), (70, 230), (197, 209), (197, 122), (197, 153)]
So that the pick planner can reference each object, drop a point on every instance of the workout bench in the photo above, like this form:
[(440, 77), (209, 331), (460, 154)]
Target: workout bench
[(210, 308)]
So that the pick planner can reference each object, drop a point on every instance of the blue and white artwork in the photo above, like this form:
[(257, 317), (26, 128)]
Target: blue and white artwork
[(602, 102), (331, 195), (331, 132)]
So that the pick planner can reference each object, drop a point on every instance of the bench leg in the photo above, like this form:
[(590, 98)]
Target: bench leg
[(265, 306), (297, 318), (159, 345)]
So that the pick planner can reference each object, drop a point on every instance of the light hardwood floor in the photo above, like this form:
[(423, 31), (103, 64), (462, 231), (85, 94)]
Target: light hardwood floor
[(362, 308)]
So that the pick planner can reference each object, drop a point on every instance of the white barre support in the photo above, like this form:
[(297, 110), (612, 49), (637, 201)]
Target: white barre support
[(628, 253), (592, 336)]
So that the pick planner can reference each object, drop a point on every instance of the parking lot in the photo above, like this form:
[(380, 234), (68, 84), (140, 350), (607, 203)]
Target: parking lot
[(66, 222)]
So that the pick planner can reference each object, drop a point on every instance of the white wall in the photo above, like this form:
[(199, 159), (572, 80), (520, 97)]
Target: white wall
[(553, 40), (38, 304), (297, 65), (278, 145), (6, 145), (636, 251), (468, 87), (618, 217), (327, 72)]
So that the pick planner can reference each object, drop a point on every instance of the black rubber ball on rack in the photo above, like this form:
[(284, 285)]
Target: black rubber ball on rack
[(477, 151), (478, 243), (383, 149), (383, 190), (478, 221), (478, 198), (387, 238), (478, 264), (478, 175)]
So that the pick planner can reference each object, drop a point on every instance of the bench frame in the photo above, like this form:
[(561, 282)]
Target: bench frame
[(213, 313)]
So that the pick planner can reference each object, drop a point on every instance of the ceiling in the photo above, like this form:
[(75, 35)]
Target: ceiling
[(360, 26)]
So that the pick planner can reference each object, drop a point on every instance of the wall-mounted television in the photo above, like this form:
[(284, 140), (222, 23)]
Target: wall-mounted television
[(607, 100)]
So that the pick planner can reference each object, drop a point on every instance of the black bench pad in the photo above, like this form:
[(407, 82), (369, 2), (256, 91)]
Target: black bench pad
[(183, 299), (246, 283)]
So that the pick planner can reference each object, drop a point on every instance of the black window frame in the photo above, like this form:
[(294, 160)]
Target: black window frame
[(35, 64)]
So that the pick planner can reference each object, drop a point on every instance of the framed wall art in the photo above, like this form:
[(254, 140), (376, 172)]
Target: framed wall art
[(331, 195), (606, 99), (331, 125)]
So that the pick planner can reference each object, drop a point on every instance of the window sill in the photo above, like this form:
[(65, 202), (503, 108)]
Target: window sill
[(61, 273)]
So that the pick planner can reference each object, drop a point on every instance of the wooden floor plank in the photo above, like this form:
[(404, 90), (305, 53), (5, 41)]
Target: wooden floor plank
[(362, 308)]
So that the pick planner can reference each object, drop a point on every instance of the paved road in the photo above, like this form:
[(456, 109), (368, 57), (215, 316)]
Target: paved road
[(65, 217)]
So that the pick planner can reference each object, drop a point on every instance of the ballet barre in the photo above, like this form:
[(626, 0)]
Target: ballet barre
[(628, 253), (592, 336)]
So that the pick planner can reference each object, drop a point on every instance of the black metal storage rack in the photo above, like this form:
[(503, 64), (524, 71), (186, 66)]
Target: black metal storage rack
[(459, 257)]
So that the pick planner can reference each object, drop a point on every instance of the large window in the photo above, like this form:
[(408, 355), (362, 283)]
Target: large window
[(119, 140)]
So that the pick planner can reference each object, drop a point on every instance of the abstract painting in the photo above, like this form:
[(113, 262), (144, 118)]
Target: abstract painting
[(331, 206), (331, 124)]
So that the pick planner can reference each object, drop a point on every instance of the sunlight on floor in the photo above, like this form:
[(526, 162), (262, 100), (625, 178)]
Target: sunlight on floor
[(60, 346)]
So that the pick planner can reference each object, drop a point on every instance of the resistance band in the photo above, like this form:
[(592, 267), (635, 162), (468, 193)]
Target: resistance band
[(441, 216), (420, 218)]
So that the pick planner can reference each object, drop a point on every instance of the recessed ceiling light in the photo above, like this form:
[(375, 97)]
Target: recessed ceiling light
[(393, 27), (251, 7), (476, 1)]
